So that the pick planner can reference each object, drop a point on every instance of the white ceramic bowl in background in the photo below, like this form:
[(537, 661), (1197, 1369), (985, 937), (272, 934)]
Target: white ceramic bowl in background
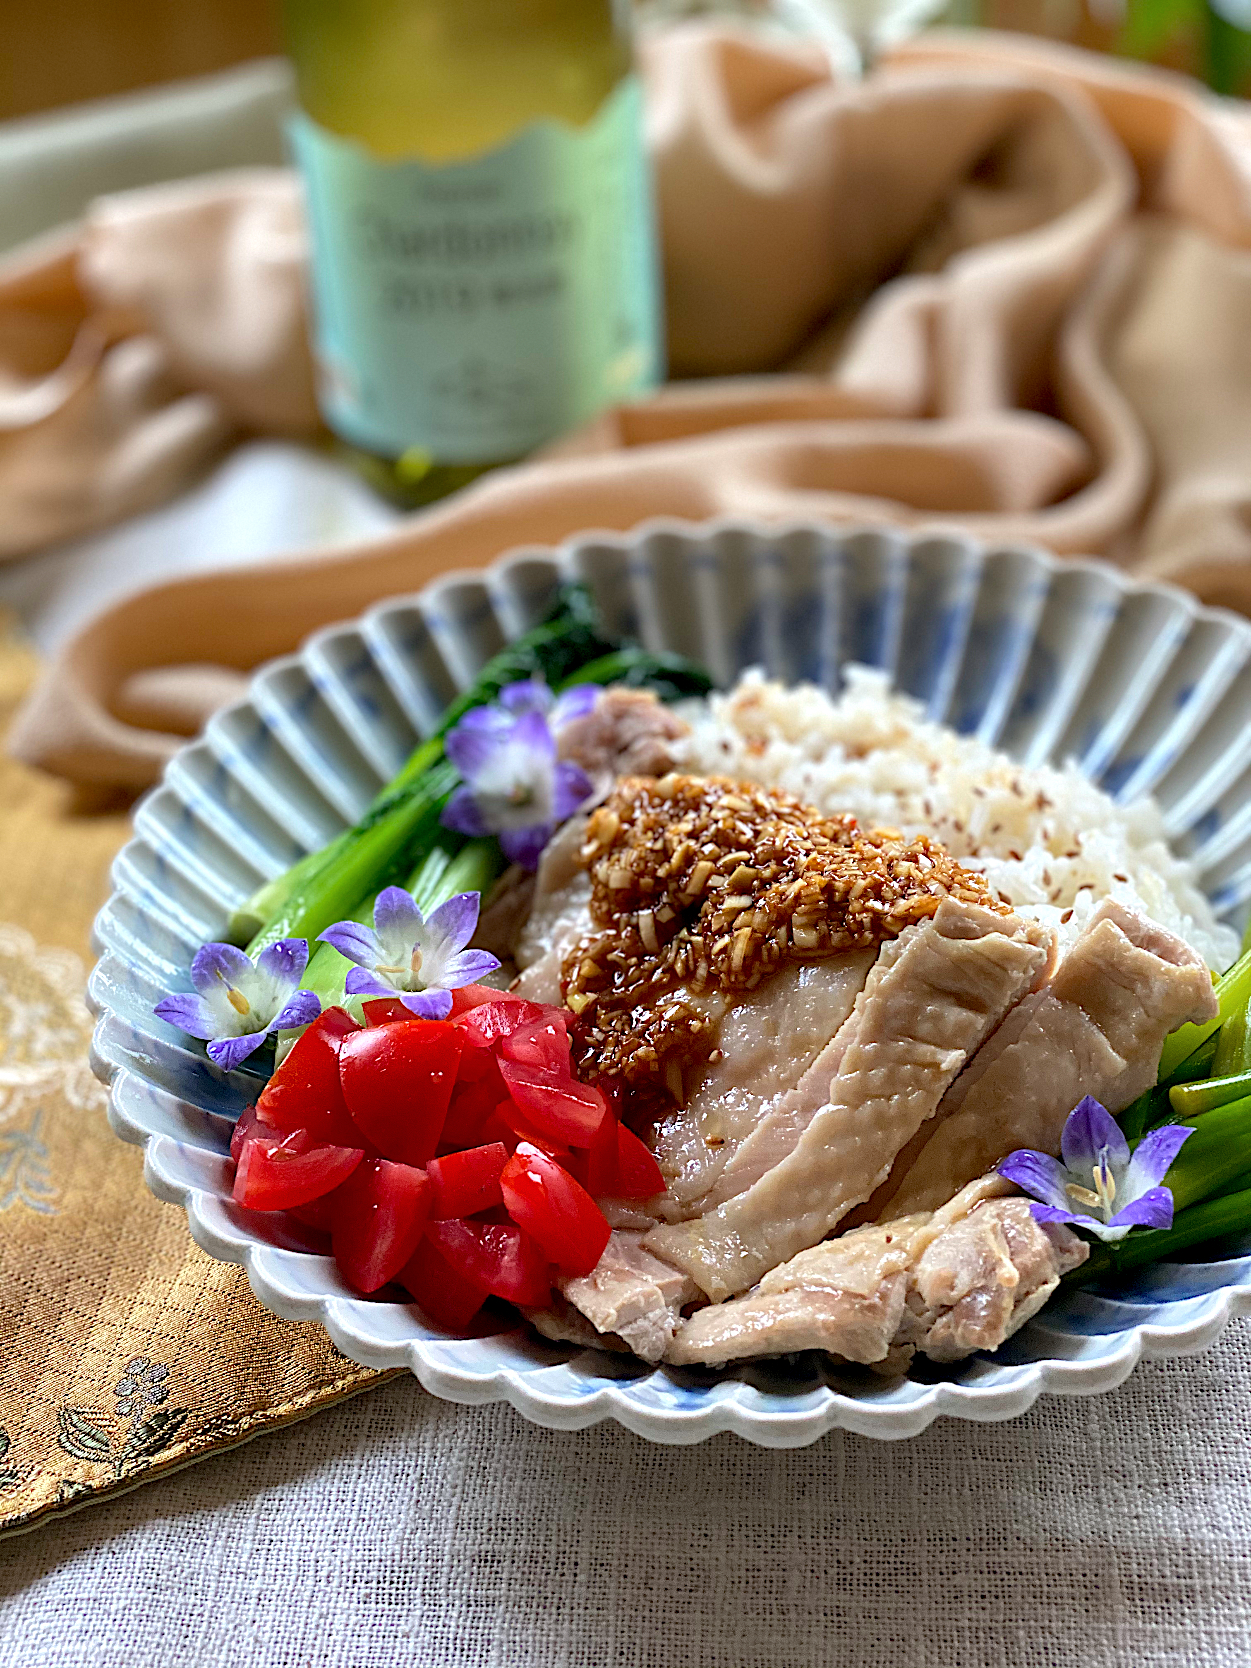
[(1051, 660)]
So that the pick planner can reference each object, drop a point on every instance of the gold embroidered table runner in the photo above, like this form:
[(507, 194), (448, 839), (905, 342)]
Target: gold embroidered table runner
[(125, 1351)]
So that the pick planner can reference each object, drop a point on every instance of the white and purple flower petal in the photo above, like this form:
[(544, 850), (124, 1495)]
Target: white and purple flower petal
[(470, 743), (215, 965), (397, 927), (1098, 1172), (1037, 1173), (571, 787), (190, 1013), (358, 943), (531, 695), (301, 1010), (362, 981), (468, 968), (1089, 1130), (239, 1003), (1152, 1157), (462, 813), (1054, 1213), (1152, 1209), (284, 962), (572, 703), (229, 1052), (525, 845), (429, 1004), (452, 924)]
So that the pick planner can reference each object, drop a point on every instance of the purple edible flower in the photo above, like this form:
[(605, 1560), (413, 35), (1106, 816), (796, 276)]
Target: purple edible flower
[(1096, 1152), (239, 1001), (403, 954), (514, 785)]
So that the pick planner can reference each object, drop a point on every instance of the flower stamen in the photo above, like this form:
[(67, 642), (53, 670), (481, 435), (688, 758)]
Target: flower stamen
[(238, 1001), (1105, 1185)]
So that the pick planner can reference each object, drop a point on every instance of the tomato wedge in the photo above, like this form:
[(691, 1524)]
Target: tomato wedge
[(499, 1256), (558, 1105), (397, 1083), (479, 1090), (602, 1164), (509, 1124), (277, 1174), (447, 1294), (304, 1093), (378, 1219), (386, 1010), (638, 1174), (545, 1200), (476, 996), (463, 1183), (489, 1021), (250, 1123), (542, 1043), (318, 1213)]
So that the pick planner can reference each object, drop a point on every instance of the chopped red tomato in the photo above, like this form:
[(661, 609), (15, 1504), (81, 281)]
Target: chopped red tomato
[(305, 1093), (601, 1167), (479, 1090), (638, 1174), (616, 1165), (463, 1183), (378, 1220), (509, 1124), (318, 1213), (490, 1021), (250, 1123), (545, 1200), (447, 1294), (476, 996), (386, 1010), (559, 1105), (397, 1082), (276, 1174), (542, 1043), (499, 1256)]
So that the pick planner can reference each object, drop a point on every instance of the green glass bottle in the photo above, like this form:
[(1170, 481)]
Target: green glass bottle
[(483, 268)]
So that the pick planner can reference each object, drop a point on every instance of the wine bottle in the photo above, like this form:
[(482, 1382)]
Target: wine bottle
[(483, 268)]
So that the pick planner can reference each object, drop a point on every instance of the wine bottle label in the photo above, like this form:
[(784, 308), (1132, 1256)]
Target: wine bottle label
[(470, 311)]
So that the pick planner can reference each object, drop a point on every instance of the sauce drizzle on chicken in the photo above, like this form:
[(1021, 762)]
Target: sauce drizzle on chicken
[(700, 885)]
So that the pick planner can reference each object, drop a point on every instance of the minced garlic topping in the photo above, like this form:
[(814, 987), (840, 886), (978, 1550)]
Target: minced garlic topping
[(700, 884)]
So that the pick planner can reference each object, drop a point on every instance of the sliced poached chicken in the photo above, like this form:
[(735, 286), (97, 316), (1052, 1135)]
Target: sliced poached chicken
[(1096, 1029), (933, 997)]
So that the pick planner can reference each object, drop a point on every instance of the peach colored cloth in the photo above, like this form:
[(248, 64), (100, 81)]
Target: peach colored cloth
[(999, 283)]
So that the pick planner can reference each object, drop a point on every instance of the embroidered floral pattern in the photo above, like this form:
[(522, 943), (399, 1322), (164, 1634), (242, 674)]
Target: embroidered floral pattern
[(139, 1391), (24, 1176), (43, 1025), (142, 1384), (9, 1478)]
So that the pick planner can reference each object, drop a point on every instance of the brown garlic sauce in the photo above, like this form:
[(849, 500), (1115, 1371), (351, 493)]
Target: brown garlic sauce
[(700, 888)]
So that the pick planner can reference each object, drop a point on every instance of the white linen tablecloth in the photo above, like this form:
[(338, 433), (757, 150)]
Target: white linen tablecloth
[(1111, 1532)]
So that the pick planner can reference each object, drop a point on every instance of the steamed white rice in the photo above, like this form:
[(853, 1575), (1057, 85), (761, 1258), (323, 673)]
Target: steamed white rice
[(1048, 840)]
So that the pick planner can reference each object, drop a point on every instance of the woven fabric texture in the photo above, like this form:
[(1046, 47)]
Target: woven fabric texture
[(1109, 1533), (124, 1349)]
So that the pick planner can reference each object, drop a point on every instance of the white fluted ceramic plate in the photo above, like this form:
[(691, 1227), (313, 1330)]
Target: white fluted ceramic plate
[(1051, 660)]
